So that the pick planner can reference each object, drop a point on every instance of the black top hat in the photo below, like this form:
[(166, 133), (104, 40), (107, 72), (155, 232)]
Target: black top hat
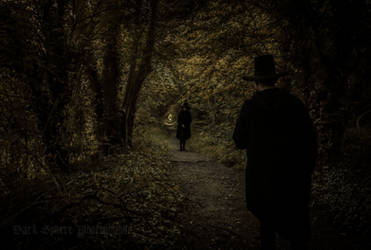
[(185, 105), (264, 69)]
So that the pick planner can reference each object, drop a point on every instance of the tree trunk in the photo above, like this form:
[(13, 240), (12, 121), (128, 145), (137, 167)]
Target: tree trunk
[(111, 76), (50, 105), (137, 75), (96, 86)]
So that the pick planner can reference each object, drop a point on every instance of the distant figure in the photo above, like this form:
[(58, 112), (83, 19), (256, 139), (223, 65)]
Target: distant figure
[(275, 128), (183, 131)]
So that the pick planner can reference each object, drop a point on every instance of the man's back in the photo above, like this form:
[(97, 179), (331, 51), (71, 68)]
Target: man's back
[(275, 128), (185, 117), (276, 124)]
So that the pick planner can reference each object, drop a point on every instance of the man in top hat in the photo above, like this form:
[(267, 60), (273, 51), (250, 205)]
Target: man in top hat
[(183, 132), (275, 128)]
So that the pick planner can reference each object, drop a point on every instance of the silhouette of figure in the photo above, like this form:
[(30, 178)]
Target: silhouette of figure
[(183, 131), (275, 128)]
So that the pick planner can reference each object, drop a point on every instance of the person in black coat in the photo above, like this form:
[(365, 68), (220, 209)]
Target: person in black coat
[(275, 128), (183, 131)]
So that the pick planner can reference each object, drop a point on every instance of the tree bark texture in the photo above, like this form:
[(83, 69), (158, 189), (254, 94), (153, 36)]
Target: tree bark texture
[(50, 85), (138, 73)]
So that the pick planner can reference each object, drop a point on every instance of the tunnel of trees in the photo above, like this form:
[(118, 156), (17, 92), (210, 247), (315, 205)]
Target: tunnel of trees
[(87, 87)]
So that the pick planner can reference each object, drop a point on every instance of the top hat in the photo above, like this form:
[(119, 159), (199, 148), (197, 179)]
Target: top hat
[(185, 104), (264, 69)]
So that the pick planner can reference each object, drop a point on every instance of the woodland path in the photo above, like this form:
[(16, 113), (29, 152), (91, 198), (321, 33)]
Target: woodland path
[(215, 214)]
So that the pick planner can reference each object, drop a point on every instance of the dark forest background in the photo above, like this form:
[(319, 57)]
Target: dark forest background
[(88, 87)]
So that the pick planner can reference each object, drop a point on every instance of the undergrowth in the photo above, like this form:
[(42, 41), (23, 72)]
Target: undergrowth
[(121, 201), (344, 188)]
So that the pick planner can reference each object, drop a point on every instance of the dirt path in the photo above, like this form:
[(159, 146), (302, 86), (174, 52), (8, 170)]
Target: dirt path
[(215, 214)]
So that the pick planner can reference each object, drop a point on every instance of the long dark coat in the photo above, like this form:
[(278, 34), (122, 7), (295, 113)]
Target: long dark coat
[(183, 131), (275, 128)]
